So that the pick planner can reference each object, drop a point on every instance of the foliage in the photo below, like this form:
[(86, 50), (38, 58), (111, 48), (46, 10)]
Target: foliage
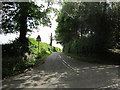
[(14, 62), (14, 11), (85, 28), (22, 17), (93, 59), (83, 46)]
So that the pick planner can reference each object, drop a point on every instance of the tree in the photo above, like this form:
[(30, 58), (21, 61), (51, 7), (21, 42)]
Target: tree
[(87, 25), (115, 13), (66, 29), (22, 17)]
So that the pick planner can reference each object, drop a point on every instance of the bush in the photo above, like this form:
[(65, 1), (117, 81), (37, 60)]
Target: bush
[(85, 46), (14, 61)]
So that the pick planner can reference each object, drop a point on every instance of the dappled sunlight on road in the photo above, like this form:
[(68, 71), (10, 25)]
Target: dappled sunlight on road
[(61, 71), (31, 79), (92, 75)]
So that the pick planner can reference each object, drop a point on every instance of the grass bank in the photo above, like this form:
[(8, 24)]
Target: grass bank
[(14, 63)]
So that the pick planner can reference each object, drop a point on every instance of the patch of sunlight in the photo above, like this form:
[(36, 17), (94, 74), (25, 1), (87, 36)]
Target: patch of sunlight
[(101, 68), (77, 69), (109, 67), (83, 71), (65, 73), (97, 71), (116, 66), (53, 79), (95, 67), (107, 72), (68, 56)]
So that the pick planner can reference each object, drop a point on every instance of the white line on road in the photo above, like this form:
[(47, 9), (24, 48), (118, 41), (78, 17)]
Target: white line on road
[(66, 64), (59, 56)]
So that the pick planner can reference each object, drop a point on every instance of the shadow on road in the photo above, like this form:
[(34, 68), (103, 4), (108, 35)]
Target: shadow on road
[(61, 71)]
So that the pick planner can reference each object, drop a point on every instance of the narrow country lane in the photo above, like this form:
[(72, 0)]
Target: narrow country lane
[(61, 71)]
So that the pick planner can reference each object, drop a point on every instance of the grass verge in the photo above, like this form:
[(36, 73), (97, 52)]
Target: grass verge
[(14, 63), (93, 59)]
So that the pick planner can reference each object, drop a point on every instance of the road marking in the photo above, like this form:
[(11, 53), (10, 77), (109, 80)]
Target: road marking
[(59, 56), (66, 64)]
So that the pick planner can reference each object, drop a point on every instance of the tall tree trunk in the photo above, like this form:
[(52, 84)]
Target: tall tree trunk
[(23, 27), (23, 22)]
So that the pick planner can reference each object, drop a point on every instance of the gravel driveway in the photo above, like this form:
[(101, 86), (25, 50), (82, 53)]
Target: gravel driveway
[(61, 71)]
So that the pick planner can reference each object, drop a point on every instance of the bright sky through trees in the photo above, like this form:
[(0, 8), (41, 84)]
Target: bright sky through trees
[(44, 32)]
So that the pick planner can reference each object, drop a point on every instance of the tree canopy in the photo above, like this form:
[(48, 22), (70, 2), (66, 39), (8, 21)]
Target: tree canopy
[(22, 17), (89, 26)]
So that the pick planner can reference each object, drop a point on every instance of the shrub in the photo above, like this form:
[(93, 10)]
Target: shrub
[(14, 61)]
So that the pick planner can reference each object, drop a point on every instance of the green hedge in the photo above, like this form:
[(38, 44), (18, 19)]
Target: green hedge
[(85, 45)]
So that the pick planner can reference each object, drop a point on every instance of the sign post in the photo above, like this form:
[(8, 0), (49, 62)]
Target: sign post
[(38, 39)]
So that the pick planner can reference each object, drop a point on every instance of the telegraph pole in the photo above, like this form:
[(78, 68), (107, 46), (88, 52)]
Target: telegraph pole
[(51, 39)]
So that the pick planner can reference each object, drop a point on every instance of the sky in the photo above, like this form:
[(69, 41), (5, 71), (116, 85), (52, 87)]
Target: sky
[(44, 32)]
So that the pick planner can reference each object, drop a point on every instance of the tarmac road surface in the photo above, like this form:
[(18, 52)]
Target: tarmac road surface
[(61, 71)]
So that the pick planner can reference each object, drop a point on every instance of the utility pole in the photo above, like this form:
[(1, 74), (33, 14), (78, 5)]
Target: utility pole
[(51, 39)]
